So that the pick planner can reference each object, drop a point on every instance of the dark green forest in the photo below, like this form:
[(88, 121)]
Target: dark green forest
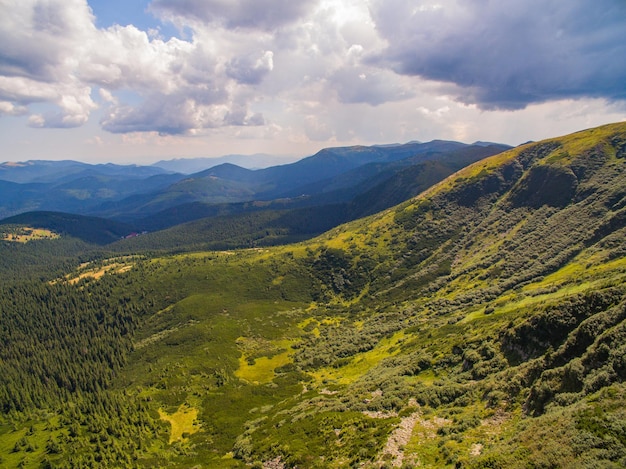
[(480, 324)]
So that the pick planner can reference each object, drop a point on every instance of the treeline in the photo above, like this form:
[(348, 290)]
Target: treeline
[(39, 259), (62, 346), (265, 228)]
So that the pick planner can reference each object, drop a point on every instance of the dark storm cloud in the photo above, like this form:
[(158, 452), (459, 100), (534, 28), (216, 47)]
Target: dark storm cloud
[(509, 54), (253, 14)]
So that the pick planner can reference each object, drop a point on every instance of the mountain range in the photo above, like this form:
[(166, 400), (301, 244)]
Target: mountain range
[(480, 323), (194, 165), (149, 199)]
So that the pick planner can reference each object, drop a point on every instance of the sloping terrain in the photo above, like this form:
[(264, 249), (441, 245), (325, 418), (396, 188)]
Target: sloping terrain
[(353, 194), (89, 229), (259, 223), (339, 174), (480, 324), (73, 187)]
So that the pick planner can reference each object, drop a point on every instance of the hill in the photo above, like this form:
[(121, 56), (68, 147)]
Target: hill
[(479, 324), (89, 229), (75, 187), (42, 171), (327, 171), (200, 226)]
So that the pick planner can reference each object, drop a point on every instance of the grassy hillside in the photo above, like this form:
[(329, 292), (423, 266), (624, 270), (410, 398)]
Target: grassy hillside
[(480, 324)]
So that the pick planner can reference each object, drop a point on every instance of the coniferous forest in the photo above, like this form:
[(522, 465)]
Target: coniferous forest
[(479, 324)]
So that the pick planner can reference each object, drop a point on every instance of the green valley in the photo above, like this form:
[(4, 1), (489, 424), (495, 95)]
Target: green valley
[(480, 324)]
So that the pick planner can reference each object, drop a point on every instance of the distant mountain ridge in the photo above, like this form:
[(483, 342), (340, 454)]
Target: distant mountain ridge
[(195, 165), (316, 174), (45, 171), (131, 192), (294, 218)]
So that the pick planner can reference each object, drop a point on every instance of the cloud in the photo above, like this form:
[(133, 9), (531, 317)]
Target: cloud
[(11, 109), (177, 114), (165, 114), (242, 117), (317, 129), (507, 55), (240, 55), (71, 98), (57, 57), (315, 69), (371, 86), (38, 59), (250, 68), (37, 35), (250, 14)]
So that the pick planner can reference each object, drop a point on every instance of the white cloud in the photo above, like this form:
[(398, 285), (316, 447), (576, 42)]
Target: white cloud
[(38, 59), (253, 14), (372, 86), (166, 114), (11, 109)]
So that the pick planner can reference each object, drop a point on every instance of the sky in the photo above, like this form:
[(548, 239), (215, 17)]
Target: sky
[(140, 81)]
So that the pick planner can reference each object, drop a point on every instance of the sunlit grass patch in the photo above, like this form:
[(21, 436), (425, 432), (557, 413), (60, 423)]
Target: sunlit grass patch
[(26, 234), (311, 326), (580, 271), (27, 443), (361, 362), (98, 273), (93, 270), (260, 369), (427, 377), (183, 422)]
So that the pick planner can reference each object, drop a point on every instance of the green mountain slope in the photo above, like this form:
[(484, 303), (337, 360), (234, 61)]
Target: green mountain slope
[(89, 229), (480, 324)]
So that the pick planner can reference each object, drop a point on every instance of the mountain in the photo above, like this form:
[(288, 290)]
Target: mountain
[(324, 172), (34, 170), (360, 192), (130, 192), (54, 171), (356, 193), (195, 165), (73, 187), (333, 162), (479, 324)]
